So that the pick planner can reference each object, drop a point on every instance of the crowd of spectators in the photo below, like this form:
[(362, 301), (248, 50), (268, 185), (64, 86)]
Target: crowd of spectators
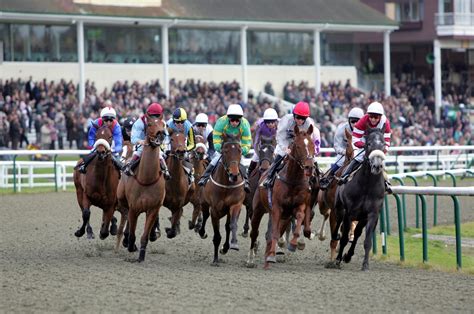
[(51, 109)]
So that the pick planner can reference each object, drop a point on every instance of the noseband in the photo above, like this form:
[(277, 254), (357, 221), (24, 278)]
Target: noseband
[(227, 164)]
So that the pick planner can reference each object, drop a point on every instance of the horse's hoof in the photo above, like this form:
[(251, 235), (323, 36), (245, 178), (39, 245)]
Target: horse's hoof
[(170, 233), (103, 235), (365, 267), (322, 237), (280, 251), (197, 227), (346, 258), (281, 258), (125, 242), (250, 264), (215, 263), (330, 264), (291, 247), (79, 233), (113, 227), (307, 234), (234, 246), (271, 259), (244, 234), (90, 236), (132, 249), (191, 225), (153, 237), (301, 246), (281, 243), (203, 236)]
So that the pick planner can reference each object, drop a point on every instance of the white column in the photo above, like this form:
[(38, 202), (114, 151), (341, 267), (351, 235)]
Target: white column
[(80, 59), (437, 78), (317, 60), (386, 62), (243, 61), (165, 60)]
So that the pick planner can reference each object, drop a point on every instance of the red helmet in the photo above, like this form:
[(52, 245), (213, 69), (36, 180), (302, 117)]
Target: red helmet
[(154, 108), (301, 109)]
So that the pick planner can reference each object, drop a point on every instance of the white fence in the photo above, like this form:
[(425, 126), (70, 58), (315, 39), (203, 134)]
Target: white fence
[(27, 174)]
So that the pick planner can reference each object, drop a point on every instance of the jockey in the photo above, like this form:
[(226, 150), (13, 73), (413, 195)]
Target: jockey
[(108, 117), (126, 133), (285, 135), (138, 138), (232, 123), (202, 127), (340, 144), (180, 123), (266, 126), (374, 118)]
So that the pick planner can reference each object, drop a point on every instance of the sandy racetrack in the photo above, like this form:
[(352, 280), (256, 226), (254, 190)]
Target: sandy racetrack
[(46, 269)]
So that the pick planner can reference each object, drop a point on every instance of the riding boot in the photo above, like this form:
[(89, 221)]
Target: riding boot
[(205, 176), (245, 177), (116, 162), (252, 166), (354, 164), (327, 180), (164, 169), (85, 161), (131, 165), (189, 170), (268, 183)]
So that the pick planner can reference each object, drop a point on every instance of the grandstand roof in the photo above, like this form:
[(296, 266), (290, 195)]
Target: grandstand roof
[(304, 13)]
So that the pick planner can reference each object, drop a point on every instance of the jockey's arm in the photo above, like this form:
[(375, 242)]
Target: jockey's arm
[(217, 134), (210, 143), (387, 133), (339, 143), (281, 135), (91, 135), (191, 140), (138, 132), (256, 139), (358, 132), (246, 137), (118, 139)]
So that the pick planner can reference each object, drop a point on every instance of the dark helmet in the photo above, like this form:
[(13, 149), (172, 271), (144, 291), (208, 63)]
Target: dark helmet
[(128, 123)]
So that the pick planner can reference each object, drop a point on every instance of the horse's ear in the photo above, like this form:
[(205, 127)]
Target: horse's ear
[(297, 130), (310, 130), (170, 131)]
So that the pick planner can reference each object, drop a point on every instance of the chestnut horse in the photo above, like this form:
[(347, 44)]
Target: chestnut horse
[(199, 161), (291, 194), (224, 194), (326, 199), (144, 192), (265, 156), (98, 186), (178, 190)]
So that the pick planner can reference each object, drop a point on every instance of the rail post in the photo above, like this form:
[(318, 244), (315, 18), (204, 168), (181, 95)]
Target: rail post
[(55, 159), (14, 173), (403, 203), (424, 228), (435, 200), (401, 239), (437, 160), (453, 178), (387, 215), (417, 208), (457, 223), (382, 231)]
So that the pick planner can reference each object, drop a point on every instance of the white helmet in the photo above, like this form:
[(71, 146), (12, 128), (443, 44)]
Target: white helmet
[(235, 110), (270, 114), (376, 108), (202, 118), (356, 113), (108, 112)]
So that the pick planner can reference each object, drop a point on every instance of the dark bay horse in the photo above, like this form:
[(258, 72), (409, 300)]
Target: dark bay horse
[(144, 192), (361, 199), (265, 157), (224, 195), (291, 194), (326, 199), (178, 190), (199, 161), (98, 186)]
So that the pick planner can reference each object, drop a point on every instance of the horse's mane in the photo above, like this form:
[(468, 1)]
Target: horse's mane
[(228, 138)]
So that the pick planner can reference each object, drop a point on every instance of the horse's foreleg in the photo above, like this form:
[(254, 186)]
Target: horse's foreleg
[(369, 231), (346, 226), (154, 232), (205, 216), (216, 240), (300, 215), (86, 214), (271, 243), (308, 214), (196, 212), (173, 231), (149, 225), (107, 216), (123, 220), (255, 223), (132, 225), (234, 214), (356, 234), (225, 247), (246, 228)]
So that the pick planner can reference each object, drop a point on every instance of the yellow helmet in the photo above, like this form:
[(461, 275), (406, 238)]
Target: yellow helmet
[(180, 115)]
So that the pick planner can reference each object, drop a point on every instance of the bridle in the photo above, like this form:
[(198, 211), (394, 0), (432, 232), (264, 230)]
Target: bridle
[(227, 164)]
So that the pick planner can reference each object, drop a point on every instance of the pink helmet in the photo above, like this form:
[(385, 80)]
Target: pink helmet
[(302, 109), (154, 108)]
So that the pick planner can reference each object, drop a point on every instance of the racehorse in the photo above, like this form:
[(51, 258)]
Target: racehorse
[(291, 194), (178, 189), (361, 199), (199, 161), (265, 155), (145, 191), (224, 195), (98, 186), (326, 199)]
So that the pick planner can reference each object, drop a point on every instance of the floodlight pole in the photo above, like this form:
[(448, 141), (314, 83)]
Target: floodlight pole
[(80, 56), (165, 60), (386, 62), (317, 60), (243, 61)]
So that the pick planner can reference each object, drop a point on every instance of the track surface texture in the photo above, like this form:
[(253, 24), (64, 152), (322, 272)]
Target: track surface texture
[(45, 268)]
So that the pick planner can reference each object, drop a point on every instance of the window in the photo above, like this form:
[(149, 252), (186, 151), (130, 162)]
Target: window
[(409, 11), (122, 44), (204, 46)]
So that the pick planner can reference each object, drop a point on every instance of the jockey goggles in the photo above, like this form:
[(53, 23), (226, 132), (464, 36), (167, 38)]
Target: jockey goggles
[(234, 118), (374, 115), (298, 117), (353, 120), (270, 121), (178, 121), (107, 119), (201, 125)]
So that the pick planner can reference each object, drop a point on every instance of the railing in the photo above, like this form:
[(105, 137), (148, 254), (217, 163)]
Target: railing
[(465, 19)]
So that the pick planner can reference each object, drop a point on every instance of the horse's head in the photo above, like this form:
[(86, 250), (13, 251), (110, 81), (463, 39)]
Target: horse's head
[(178, 143), (265, 152), (231, 155), (103, 141), (201, 149), (374, 147), (155, 132), (302, 150), (349, 147)]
